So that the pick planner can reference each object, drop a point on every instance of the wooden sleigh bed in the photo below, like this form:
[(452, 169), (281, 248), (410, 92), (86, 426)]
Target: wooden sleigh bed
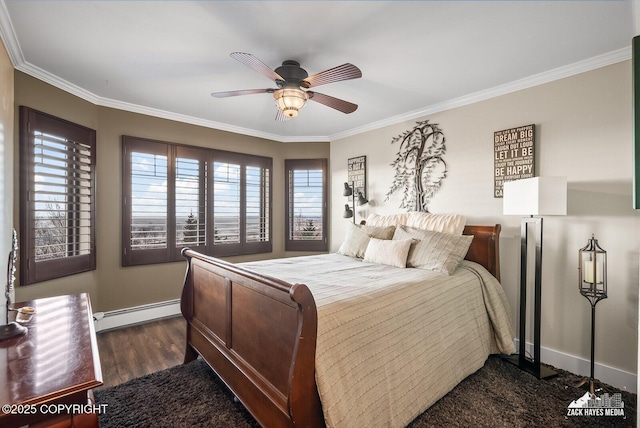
[(234, 314)]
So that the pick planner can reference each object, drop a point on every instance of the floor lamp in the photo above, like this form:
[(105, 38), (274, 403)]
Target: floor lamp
[(592, 270), (533, 197)]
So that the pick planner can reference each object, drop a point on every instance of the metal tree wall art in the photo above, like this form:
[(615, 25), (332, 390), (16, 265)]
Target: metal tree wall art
[(419, 166)]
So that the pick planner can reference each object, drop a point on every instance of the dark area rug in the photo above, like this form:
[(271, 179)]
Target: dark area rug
[(498, 395)]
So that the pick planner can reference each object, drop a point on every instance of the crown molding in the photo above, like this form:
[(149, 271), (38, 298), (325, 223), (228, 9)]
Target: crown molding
[(517, 85), (12, 45), (8, 36), (66, 86)]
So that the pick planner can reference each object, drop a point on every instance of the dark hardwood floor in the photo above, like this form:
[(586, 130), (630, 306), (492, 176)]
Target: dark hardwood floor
[(141, 349)]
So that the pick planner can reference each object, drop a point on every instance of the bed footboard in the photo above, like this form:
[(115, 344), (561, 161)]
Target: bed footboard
[(258, 334)]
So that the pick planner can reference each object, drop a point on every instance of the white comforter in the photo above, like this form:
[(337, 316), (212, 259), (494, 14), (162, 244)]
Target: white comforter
[(392, 341)]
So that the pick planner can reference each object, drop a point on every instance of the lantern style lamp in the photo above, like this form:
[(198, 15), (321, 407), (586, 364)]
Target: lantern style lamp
[(593, 286)]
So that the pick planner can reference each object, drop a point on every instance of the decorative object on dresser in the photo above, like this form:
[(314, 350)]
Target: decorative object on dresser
[(419, 166), (592, 268), (535, 196), (11, 329)]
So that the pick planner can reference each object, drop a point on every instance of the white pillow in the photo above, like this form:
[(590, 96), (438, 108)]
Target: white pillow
[(447, 223), (436, 251), (357, 238), (386, 252)]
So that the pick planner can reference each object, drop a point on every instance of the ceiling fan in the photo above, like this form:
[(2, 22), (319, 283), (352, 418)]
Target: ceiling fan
[(293, 82)]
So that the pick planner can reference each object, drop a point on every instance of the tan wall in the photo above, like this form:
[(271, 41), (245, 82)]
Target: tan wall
[(112, 286), (584, 132), (6, 155)]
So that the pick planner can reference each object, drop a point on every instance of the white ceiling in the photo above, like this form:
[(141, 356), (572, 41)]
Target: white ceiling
[(417, 57)]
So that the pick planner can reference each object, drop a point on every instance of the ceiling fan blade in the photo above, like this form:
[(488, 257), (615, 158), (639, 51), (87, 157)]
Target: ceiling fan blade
[(336, 74), (259, 66), (226, 94), (335, 103)]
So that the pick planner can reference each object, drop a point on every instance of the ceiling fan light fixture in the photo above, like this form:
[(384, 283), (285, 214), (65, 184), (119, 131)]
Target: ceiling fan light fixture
[(292, 80), (290, 100)]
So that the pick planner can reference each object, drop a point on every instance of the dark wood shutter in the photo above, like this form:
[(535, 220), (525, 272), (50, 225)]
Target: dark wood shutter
[(57, 198), (177, 196), (306, 207)]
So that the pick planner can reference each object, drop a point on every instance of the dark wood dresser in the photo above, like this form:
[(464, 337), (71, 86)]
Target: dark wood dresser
[(46, 375)]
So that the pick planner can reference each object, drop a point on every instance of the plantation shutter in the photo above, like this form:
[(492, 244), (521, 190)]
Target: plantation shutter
[(57, 204), (226, 207), (241, 204), (226, 203), (176, 196), (258, 207), (146, 202), (306, 208), (191, 198)]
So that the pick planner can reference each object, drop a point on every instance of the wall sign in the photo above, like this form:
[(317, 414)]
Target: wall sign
[(357, 175), (513, 156)]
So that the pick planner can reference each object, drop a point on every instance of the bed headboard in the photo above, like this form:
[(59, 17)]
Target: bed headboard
[(485, 247)]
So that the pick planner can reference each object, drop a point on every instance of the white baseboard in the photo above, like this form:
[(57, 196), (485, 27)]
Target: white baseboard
[(621, 379), (145, 313), (135, 315)]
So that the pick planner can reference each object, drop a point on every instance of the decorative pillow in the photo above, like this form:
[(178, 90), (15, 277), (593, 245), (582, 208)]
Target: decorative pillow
[(437, 251), (357, 238), (385, 252), (448, 223)]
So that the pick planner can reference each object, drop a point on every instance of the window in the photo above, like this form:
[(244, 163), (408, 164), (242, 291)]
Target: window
[(57, 197), (178, 196), (306, 206)]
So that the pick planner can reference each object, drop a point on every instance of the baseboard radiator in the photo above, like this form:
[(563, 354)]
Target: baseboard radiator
[(135, 315)]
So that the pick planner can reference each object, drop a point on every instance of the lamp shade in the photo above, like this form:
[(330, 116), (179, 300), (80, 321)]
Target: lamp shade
[(535, 196), (347, 190), (361, 199), (290, 100), (348, 213)]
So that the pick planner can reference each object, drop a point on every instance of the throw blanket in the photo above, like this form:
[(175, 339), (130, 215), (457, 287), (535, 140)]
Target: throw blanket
[(392, 341)]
